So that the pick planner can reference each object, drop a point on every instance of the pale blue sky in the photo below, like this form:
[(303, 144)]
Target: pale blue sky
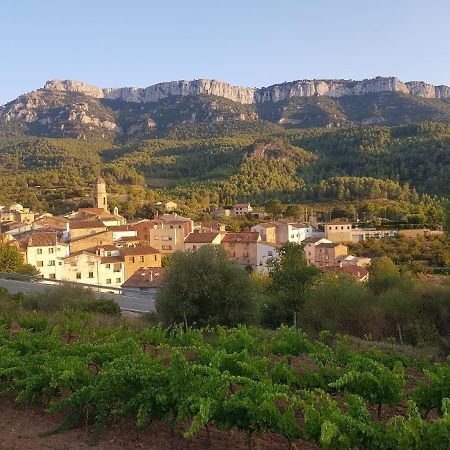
[(112, 43)]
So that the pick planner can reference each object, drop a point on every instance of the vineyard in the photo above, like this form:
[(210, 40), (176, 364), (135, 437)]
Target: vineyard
[(242, 378)]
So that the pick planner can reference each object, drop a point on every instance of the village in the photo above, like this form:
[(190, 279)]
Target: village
[(97, 247)]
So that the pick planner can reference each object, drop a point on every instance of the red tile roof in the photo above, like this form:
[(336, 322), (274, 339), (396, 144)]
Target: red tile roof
[(247, 237), (201, 238), (111, 259), (147, 277), (81, 224), (42, 239), (140, 250)]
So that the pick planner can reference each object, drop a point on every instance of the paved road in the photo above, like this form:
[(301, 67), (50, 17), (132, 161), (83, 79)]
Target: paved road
[(138, 303)]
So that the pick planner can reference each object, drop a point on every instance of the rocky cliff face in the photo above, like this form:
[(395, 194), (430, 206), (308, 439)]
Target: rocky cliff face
[(76, 109), (243, 95)]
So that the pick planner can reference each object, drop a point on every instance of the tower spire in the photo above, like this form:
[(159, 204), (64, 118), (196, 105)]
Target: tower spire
[(100, 197)]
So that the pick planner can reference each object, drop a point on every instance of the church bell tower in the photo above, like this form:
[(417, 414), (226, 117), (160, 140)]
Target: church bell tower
[(100, 198)]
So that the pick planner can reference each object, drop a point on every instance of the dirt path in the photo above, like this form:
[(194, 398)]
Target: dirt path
[(21, 426)]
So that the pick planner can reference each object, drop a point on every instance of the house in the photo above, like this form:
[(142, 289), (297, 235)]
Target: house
[(241, 209), (82, 228), (210, 226), (16, 213), (360, 273), (44, 252), (136, 257), (90, 268), (221, 212), (342, 231), (295, 232), (242, 247), (123, 231), (194, 241), (265, 251), (323, 252), (147, 279), (91, 240), (170, 206), (279, 232), (359, 261), (268, 231), (142, 228), (327, 254), (168, 232)]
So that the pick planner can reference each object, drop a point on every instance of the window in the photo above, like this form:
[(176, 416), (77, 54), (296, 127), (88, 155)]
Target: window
[(167, 247), (78, 276), (117, 280), (39, 251), (342, 228), (91, 274), (39, 263), (60, 263), (108, 281), (91, 263), (117, 267), (52, 276), (133, 259), (194, 247), (141, 258), (171, 227), (108, 266), (51, 250), (270, 253), (51, 263), (155, 258)]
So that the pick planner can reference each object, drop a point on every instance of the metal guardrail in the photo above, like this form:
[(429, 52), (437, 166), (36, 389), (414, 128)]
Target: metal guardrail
[(126, 292)]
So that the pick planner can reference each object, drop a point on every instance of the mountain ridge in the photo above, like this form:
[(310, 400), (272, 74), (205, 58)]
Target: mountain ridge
[(75, 109), (248, 95)]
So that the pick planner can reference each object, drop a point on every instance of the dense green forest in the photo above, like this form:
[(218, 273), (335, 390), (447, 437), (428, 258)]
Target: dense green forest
[(235, 162)]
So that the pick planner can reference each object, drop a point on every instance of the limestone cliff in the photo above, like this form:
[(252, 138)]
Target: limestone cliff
[(244, 95)]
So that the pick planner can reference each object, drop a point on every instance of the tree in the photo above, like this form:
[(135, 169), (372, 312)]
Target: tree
[(205, 287), (11, 261), (291, 276), (383, 275), (295, 211), (447, 218), (274, 207)]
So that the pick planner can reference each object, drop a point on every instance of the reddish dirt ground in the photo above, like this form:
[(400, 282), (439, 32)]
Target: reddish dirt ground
[(21, 426)]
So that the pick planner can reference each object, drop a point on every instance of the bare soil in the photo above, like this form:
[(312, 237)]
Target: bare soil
[(21, 428)]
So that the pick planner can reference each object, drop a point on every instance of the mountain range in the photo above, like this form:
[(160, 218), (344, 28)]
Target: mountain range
[(75, 109)]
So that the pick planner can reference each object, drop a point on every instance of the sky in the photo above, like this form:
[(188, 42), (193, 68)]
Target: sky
[(112, 43)]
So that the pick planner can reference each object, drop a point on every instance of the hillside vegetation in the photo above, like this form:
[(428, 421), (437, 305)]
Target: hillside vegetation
[(235, 162)]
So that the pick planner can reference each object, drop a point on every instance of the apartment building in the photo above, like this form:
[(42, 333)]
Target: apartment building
[(242, 247), (44, 252), (168, 232), (90, 268), (196, 240)]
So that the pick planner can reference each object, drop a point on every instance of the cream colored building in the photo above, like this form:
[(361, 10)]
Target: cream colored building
[(242, 247), (265, 251), (196, 240), (324, 253), (168, 232), (89, 268), (44, 252)]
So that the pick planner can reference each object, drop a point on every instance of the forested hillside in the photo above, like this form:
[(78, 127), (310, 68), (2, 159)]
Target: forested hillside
[(236, 162)]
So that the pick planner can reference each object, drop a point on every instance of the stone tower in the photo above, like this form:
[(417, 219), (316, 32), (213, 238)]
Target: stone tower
[(100, 198)]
